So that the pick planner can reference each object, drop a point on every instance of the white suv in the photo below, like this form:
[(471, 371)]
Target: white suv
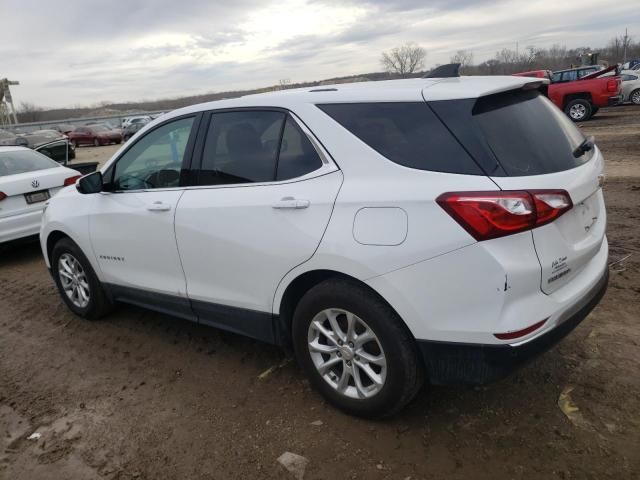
[(391, 232)]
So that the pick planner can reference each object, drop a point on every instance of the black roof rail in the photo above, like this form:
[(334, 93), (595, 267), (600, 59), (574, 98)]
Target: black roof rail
[(448, 70)]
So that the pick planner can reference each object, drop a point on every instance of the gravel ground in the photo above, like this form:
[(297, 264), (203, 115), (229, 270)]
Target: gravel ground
[(140, 395)]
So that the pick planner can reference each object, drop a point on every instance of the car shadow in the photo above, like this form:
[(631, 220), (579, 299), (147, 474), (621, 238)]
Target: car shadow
[(19, 251)]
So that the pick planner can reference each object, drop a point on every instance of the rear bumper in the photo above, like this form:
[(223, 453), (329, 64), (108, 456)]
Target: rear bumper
[(615, 100), (20, 226), (476, 364)]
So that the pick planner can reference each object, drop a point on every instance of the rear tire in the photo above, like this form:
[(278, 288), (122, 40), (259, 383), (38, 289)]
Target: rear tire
[(391, 357), (635, 96), (579, 110), (90, 301)]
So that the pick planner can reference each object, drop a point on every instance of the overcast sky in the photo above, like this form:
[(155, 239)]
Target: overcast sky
[(81, 52)]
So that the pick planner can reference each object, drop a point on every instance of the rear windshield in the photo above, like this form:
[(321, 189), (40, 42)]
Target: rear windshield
[(527, 134), (23, 161), (408, 133), (516, 133)]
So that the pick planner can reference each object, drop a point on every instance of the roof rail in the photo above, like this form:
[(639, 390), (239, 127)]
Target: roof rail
[(448, 70)]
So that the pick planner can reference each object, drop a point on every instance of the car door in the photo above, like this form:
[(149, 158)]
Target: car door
[(131, 225), (264, 198)]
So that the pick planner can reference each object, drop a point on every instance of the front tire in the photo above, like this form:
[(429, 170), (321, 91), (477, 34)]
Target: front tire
[(355, 349), (635, 96), (579, 110), (77, 282)]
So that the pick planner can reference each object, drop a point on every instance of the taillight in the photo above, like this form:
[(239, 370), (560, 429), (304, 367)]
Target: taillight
[(487, 215), (71, 180), (613, 85), (2, 196)]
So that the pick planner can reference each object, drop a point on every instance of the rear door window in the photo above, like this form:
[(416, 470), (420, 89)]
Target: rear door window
[(255, 146), (407, 133)]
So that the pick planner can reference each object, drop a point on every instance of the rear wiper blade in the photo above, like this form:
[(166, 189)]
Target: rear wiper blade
[(586, 146)]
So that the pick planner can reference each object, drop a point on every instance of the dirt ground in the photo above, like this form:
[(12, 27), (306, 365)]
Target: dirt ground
[(140, 395)]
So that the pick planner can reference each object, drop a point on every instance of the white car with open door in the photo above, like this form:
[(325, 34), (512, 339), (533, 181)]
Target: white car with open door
[(27, 180), (445, 229)]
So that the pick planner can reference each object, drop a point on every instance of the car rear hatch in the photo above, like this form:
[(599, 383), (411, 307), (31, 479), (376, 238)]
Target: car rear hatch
[(524, 143)]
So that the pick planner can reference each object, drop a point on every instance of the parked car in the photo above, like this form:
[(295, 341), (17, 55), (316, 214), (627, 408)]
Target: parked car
[(64, 128), (581, 99), (27, 180), (127, 121), (391, 232), (630, 86), (107, 125), (10, 138), (572, 74), (133, 127), (95, 135), (51, 143)]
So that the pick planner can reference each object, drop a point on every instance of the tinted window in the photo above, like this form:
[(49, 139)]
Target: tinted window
[(155, 160), (23, 161), (241, 147), (527, 134), (297, 155), (406, 133)]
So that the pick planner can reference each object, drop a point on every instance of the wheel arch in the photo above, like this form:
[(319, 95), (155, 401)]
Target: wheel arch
[(54, 237), (576, 96), (304, 282)]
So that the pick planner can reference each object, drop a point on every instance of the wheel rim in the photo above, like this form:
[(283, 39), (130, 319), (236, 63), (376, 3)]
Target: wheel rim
[(73, 280), (347, 353), (577, 111), (635, 97)]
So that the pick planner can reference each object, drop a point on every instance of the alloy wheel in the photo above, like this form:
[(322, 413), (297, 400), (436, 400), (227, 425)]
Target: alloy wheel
[(347, 353), (635, 97), (74, 280), (577, 111)]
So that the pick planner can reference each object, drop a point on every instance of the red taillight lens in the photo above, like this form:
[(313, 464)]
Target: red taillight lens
[(2, 196), (71, 180), (613, 85), (487, 215), (550, 204)]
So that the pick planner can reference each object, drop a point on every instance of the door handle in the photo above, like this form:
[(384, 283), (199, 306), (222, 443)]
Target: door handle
[(291, 203), (159, 207)]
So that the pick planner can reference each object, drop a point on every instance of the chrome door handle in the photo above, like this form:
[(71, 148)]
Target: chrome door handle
[(291, 203), (159, 207)]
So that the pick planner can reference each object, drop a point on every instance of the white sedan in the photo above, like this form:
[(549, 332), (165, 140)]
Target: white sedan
[(27, 180)]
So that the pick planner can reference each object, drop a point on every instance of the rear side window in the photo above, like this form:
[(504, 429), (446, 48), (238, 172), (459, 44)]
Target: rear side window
[(408, 134), (297, 156), (527, 134)]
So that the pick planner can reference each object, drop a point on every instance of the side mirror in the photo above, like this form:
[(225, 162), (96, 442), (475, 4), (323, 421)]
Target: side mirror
[(91, 183)]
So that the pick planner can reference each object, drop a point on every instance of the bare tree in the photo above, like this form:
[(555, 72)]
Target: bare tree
[(463, 57), (284, 83), (404, 60), (29, 112)]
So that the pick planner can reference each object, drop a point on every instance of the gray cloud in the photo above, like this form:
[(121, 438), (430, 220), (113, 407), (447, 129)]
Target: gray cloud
[(86, 51)]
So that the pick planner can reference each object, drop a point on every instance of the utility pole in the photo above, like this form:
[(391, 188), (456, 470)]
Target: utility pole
[(7, 110)]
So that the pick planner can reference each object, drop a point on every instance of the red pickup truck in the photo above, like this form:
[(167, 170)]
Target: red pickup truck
[(582, 98)]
